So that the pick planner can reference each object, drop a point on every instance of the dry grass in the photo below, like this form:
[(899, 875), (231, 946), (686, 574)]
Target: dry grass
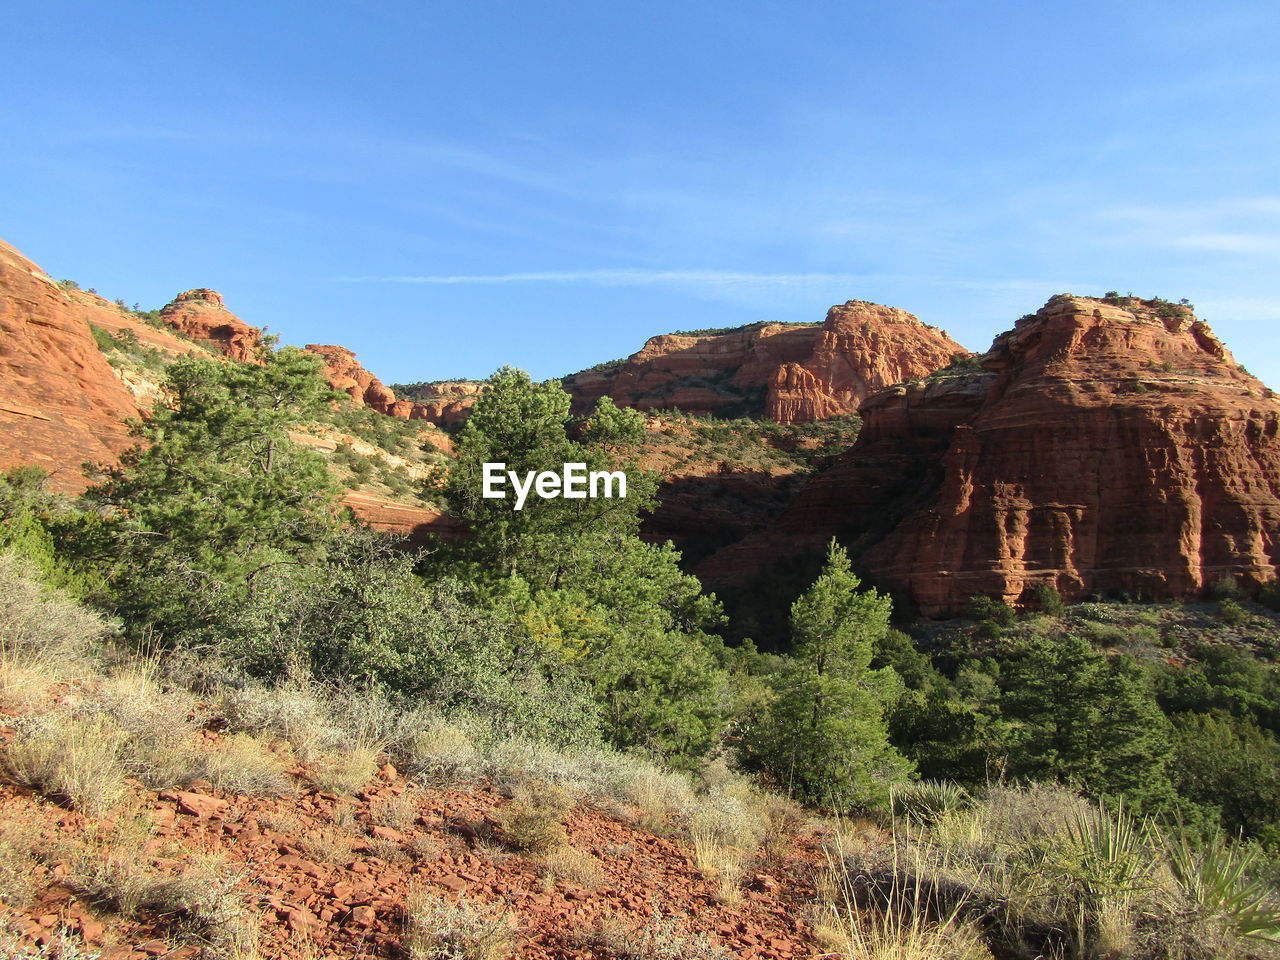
[(327, 846), (18, 864), (398, 812), (79, 760), (720, 864), (661, 937), (575, 866), (241, 764), (423, 847), (436, 929), (197, 904), (345, 772), (45, 635), (533, 820)]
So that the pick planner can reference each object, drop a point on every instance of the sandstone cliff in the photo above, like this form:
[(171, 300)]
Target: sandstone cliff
[(201, 315), (784, 372), (862, 348), (1102, 446), (61, 404)]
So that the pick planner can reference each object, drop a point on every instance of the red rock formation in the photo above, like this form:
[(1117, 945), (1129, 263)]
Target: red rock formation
[(449, 402), (1106, 446), (415, 523), (61, 404), (345, 373), (863, 347), (201, 315), (787, 373), (725, 374)]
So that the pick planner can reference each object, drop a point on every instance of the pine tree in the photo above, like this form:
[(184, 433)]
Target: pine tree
[(216, 492), (825, 736)]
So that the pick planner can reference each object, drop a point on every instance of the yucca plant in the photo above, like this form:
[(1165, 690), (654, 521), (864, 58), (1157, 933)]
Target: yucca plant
[(1111, 863), (1221, 878), (926, 800)]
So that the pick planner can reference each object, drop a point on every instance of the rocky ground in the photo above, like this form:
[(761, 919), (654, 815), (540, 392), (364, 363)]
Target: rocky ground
[(320, 875)]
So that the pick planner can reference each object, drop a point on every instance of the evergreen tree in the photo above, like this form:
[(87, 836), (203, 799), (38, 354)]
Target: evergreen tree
[(215, 492), (1078, 717), (825, 736), (576, 578)]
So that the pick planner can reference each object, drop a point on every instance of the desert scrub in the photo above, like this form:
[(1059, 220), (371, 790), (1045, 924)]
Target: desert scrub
[(436, 929), (660, 937), (18, 864), (575, 866), (79, 760), (240, 763), (533, 820), (45, 635)]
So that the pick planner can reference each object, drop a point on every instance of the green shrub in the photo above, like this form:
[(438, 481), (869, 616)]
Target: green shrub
[(1046, 598), (1225, 588), (1231, 613)]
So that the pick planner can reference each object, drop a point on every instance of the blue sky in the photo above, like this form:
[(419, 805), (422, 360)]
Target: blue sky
[(445, 188)]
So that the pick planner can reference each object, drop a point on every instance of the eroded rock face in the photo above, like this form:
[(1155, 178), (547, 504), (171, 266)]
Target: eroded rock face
[(201, 315), (862, 348), (61, 404), (783, 372), (344, 372), (1104, 447), (726, 374)]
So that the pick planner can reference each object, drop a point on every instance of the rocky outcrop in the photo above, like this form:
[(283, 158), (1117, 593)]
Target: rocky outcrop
[(345, 373), (447, 403), (61, 404), (1102, 447), (416, 524), (201, 315), (863, 347), (785, 372), (723, 373)]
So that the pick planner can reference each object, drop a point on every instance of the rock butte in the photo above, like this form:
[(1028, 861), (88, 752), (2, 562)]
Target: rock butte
[(784, 372), (62, 405), (1104, 446)]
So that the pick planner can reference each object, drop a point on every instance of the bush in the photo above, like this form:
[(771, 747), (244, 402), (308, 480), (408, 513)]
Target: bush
[(1225, 588), (1231, 613), (1269, 595), (44, 634), (440, 930), (1046, 598), (76, 759), (533, 821)]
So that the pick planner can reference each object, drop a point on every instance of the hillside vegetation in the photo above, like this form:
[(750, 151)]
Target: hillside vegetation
[(238, 724)]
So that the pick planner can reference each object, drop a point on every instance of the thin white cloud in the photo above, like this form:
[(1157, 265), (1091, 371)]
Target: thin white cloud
[(715, 278)]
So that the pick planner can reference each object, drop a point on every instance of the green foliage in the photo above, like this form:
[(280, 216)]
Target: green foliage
[(717, 331), (1046, 598), (1081, 718), (1232, 614), (992, 610), (575, 576), (1225, 588), (1223, 879), (1269, 595), (824, 736), (1230, 769), (363, 616), (217, 492), (961, 365)]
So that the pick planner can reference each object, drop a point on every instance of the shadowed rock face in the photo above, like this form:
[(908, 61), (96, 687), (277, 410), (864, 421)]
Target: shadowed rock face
[(787, 373), (1105, 446)]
